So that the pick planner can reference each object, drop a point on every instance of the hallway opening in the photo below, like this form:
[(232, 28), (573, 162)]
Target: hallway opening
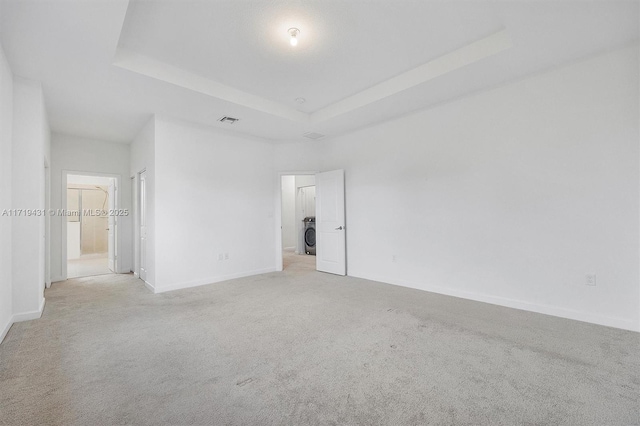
[(90, 231)]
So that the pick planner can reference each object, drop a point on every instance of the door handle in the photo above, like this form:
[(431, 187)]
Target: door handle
[(340, 228)]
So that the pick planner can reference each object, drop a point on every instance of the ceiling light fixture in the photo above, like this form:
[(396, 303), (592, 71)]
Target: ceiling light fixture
[(293, 33)]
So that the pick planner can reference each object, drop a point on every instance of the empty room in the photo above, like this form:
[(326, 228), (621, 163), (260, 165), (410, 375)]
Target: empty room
[(319, 212)]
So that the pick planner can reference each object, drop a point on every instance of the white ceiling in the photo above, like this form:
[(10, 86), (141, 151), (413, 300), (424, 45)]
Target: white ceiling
[(343, 47), (107, 66)]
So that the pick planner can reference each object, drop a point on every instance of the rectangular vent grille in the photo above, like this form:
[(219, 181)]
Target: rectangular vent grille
[(313, 135), (229, 120)]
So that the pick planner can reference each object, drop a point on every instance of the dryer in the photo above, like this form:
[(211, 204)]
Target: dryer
[(310, 235)]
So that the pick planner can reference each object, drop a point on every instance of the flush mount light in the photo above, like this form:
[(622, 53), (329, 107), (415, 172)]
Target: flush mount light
[(293, 34), (300, 101)]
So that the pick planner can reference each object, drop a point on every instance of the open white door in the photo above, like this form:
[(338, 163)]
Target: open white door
[(112, 225), (143, 225), (330, 223)]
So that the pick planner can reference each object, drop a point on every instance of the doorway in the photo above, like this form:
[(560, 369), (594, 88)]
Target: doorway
[(141, 218), (90, 223), (298, 204), (329, 224)]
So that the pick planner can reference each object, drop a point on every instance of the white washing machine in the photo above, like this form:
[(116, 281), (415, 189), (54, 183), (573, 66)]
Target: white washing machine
[(310, 235)]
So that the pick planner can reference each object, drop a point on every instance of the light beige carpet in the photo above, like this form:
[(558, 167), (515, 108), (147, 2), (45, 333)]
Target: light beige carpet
[(301, 347)]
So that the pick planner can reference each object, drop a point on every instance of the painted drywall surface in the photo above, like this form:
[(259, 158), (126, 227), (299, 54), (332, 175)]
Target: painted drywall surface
[(289, 230), (298, 158), (75, 154), (307, 196), (73, 240), (511, 196), (142, 154), (305, 180), (6, 125), (214, 195), (89, 180), (29, 151)]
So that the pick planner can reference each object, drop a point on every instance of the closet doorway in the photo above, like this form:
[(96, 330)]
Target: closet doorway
[(298, 211)]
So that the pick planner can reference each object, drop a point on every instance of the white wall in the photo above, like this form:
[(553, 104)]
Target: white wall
[(6, 124), (30, 150), (91, 179), (142, 155), (305, 180), (511, 196), (73, 240), (289, 229), (92, 157), (298, 158), (214, 195)]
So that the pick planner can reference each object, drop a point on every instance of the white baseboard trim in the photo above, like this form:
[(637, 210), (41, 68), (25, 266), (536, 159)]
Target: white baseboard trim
[(25, 316), (28, 316), (512, 303), (149, 286), (57, 279), (205, 281), (6, 328)]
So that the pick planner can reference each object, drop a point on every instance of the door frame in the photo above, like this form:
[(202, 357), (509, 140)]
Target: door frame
[(112, 221), (278, 212), (137, 246), (134, 222), (47, 224), (63, 219)]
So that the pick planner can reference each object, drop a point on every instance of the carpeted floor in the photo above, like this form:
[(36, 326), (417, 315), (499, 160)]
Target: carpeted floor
[(302, 347)]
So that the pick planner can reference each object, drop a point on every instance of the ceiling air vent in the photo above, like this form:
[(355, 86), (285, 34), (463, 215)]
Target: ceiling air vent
[(229, 120), (313, 135)]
